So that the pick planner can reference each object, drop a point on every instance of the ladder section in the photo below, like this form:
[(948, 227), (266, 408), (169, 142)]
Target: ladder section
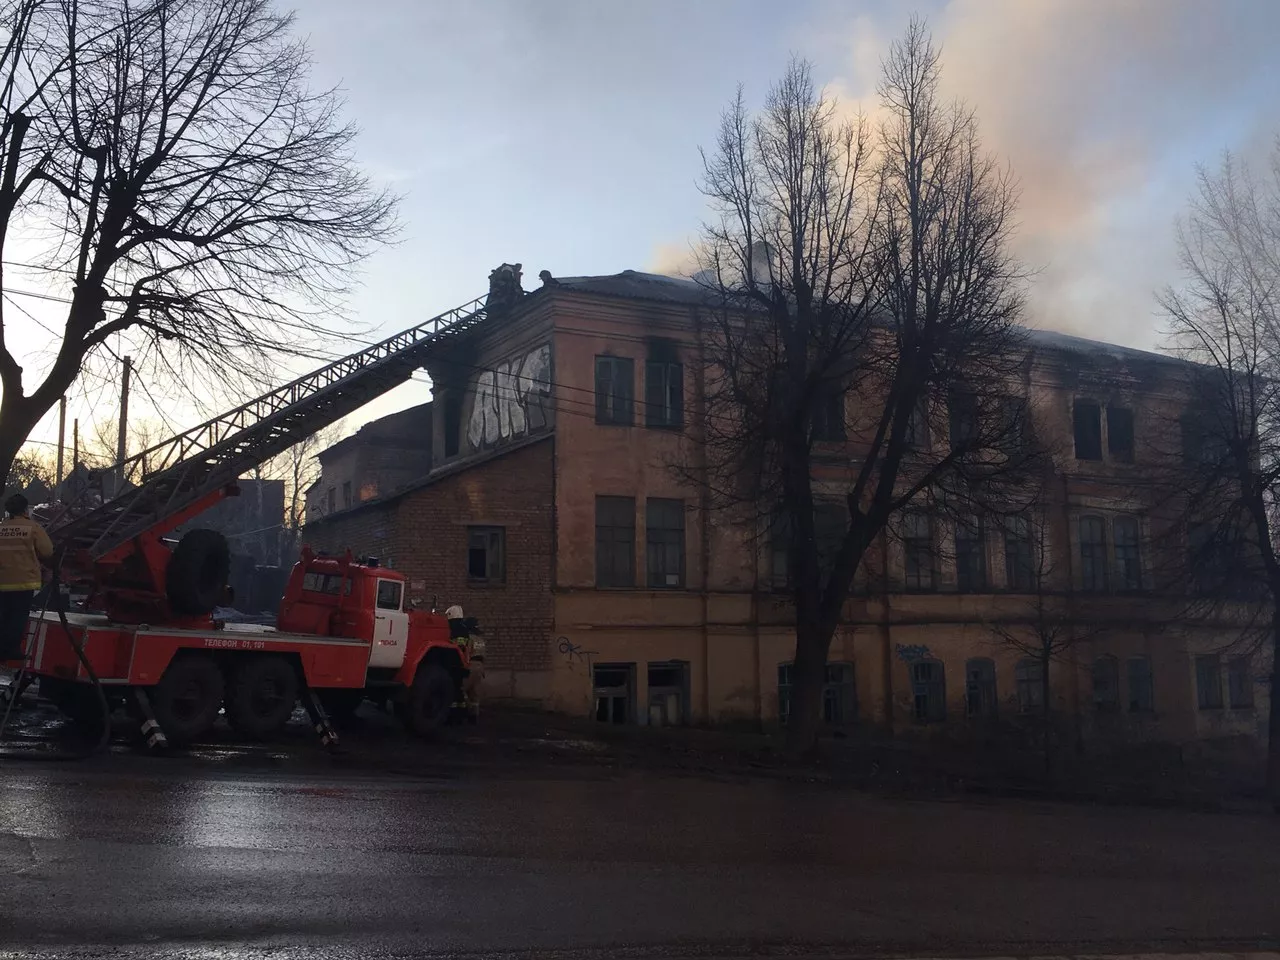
[(198, 461)]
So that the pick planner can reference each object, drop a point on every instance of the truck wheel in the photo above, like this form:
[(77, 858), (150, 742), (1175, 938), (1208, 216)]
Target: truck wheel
[(262, 696), (197, 573), (430, 699), (187, 698)]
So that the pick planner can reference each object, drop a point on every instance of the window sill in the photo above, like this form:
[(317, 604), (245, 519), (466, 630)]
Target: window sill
[(666, 427), (615, 423), (485, 584)]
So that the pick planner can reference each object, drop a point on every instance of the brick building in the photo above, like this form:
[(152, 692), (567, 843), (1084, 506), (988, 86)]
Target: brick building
[(551, 510)]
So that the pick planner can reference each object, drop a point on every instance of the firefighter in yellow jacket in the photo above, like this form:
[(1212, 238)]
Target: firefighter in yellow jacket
[(23, 544)]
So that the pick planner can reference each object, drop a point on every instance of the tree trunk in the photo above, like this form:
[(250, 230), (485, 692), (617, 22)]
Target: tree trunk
[(1046, 719), (1273, 718), (808, 676), (14, 427)]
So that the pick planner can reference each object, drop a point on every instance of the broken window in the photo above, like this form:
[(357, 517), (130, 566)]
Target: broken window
[(963, 417), (828, 415), (917, 546), (615, 390), (346, 493), (980, 688), (971, 555), (1019, 559), (1209, 682), (486, 554), (668, 694), (1141, 696), (663, 394), (1029, 675), (1120, 434), (1106, 684), (615, 541), (664, 542), (928, 691), (613, 683), (1128, 555), (1093, 554), (1240, 683), (1087, 420)]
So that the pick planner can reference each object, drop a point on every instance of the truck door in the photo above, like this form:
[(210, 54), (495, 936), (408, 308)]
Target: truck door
[(390, 626)]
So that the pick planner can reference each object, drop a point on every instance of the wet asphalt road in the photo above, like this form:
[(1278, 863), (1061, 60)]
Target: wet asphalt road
[(209, 856)]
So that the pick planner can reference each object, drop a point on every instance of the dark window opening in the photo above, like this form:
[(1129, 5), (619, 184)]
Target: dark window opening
[(389, 594), (1128, 554), (663, 394), (614, 685), (668, 694), (1087, 420), (1120, 434), (1240, 683), (1093, 554), (332, 499), (971, 555), (486, 554), (980, 688), (452, 424), (963, 416), (1209, 682), (1141, 695), (828, 416), (615, 541), (664, 542), (1106, 684), (917, 434), (1029, 675), (1203, 442), (1019, 558), (615, 390), (917, 545), (346, 493), (928, 691)]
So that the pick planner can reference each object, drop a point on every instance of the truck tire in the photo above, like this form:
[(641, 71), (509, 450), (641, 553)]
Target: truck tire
[(261, 696), (187, 698), (426, 709), (196, 578)]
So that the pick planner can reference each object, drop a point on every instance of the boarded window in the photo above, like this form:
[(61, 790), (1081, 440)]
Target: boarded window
[(1029, 675), (663, 394), (1093, 554), (980, 687), (1019, 559), (1086, 417), (971, 555), (486, 554), (1128, 554), (928, 691), (917, 546), (1141, 694), (1240, 683), (1106, 684), (615, 390), (664, 542), (615, 541), (1209, 682), (1120, 434)]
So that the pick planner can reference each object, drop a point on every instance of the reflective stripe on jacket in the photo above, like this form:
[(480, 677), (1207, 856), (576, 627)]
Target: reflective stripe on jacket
[(23, 544)]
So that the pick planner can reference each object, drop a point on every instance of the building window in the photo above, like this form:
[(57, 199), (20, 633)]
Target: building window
[(980, 688), (928, 691), (971, 555), (963, 419), (668, 694), (613, 689), (917, 435), (615, 390), (1209, 682), (1019, 560), (1029, 675), (828, 416), (1240, 683), (332, 499), (917, 545), (1141, 695), (1086, 418), (615, 541), (452, 423), (1120, 434), (1015, 425), (346, 493), (1106, 684), (1128, 556), (663, 394), (664, 542), (839, 698), (486, 554), (1093, 554)]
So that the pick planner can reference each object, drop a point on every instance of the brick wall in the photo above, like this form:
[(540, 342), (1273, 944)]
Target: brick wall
[(424, 535)]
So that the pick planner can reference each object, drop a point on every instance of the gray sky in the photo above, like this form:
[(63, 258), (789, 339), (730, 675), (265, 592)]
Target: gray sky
[(564, 134)]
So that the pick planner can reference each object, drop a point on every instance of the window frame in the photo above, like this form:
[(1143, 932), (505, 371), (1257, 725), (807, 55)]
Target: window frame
[(659, 539), (379, 604), (1028, 675), (914, 547), (929, 691), (964, 417), (977, 543), (975, 684), (666, 412), (1148, 705), (1208, 668), (827, 423), (1100, 582), (1240, 680), (499, 537), (1129, 563), (1108, 666), (614, 408), (1012, 582), (623, 579)]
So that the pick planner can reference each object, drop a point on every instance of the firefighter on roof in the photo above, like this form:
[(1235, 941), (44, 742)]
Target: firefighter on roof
[(23, 544)]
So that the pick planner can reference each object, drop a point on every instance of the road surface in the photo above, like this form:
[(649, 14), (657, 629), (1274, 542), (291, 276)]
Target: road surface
[(127, 855)]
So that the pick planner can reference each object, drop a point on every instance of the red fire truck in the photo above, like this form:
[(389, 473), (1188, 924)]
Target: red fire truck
[(147, 637)]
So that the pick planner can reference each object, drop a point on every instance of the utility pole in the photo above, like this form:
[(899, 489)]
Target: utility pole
[(62, 440), (121, 438), (75, 449)]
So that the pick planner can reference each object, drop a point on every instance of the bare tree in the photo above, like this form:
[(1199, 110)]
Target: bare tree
[(299, 467), (182, 183), (1225, 316), (865, 293)]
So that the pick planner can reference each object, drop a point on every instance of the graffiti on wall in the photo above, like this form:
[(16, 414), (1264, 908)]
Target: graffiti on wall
[(511, 401), (912, 653)]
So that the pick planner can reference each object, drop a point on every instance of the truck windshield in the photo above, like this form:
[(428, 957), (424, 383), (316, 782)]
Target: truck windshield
[(325, 583)]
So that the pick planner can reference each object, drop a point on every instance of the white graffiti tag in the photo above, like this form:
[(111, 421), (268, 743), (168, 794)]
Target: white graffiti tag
[(511, 400)]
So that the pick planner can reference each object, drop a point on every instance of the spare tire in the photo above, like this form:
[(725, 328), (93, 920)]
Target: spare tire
[(196, 579)]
